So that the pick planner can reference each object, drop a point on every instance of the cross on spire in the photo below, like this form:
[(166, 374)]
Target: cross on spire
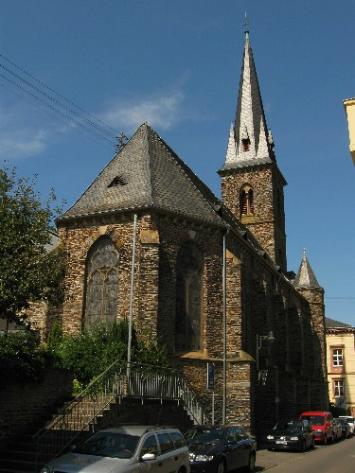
[(246, 25)]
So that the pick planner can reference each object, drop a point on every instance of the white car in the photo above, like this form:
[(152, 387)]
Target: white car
[(126, 449), (351, 422)]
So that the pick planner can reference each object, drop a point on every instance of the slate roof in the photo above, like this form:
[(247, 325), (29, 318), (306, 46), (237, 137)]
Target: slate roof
[(250, 122), (146, 173), (331, 323), (305, 277)]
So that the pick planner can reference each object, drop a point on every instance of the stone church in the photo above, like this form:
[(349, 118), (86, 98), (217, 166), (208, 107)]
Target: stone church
[(210, 277)]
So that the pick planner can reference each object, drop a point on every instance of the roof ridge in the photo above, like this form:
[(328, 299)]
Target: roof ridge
[(188, 172)]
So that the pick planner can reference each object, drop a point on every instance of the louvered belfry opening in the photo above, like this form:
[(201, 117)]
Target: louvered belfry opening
[(247, 201), (246, 144)]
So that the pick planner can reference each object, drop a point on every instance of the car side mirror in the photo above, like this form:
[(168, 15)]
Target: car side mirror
[(148, 457)]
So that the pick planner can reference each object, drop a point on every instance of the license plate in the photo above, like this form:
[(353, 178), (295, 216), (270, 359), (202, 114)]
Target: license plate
[(281, 442)]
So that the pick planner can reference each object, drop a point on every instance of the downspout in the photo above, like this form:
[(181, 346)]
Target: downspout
[(224, 294), (131, 296)]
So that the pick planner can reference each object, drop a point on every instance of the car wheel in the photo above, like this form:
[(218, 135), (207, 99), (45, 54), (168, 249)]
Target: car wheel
[(221, 467), (303, 446), (251, 462), (312, 444)]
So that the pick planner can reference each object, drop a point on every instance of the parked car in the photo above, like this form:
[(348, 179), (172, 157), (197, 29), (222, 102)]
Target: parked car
[(133, 449), (293, 434), (345, 427), (351, 422), (321, 423), (220, 449), (337, 429)]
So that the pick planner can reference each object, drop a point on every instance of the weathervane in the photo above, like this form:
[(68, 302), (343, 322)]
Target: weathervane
[(121, 141)]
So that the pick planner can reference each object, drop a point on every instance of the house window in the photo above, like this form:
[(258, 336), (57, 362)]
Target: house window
[(338, 358), (188, 298), (338, 387), (101, 282), (247, 201)]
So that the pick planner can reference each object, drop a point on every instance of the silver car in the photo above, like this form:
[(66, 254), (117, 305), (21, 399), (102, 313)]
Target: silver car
[(126, 449)]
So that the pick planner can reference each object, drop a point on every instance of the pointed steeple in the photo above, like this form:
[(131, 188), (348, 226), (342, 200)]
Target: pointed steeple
[(250, 129), (305, 278)]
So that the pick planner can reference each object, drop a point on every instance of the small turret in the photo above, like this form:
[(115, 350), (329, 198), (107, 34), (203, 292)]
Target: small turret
[(307, 285)]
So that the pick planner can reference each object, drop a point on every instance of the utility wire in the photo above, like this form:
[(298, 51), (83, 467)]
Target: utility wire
[(80, 120), (57, 104), (70, 102), (53, 109)]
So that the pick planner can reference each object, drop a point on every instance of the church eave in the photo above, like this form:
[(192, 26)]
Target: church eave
[(69, 219)]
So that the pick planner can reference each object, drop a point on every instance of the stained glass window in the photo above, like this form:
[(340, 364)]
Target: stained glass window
[(188, 298), (101, 282)]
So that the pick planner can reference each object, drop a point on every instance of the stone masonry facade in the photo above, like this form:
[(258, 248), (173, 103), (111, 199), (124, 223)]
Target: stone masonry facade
[(210, 282)]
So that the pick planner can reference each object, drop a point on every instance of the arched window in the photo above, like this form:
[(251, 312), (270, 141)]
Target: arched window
[(188, 298), (246, 201), (101, 282)]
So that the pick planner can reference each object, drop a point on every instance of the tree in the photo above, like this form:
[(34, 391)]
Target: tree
[(28, 272)]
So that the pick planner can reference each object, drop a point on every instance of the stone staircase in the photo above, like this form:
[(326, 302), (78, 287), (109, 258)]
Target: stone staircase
[(21, 454), (147, 398)]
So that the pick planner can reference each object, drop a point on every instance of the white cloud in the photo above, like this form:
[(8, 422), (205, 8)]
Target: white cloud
[(162, 111), (21, 143)]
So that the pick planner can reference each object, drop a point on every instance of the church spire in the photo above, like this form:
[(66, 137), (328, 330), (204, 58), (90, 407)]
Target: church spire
[(250, 128), (305, 278)]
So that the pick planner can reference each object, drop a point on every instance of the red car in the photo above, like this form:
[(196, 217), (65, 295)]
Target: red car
[(321, 423)]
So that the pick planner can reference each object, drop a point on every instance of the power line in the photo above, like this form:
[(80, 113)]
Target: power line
[(55, 110), (58, 104), (70, 102), (67, 111)]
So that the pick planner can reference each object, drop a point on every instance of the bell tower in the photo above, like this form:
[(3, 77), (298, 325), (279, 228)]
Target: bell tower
[(252, 184)]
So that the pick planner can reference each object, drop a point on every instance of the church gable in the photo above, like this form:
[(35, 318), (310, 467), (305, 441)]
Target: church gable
[(147, 174)]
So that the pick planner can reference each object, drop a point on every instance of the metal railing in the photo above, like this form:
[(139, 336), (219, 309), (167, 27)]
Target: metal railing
[(78, 417)]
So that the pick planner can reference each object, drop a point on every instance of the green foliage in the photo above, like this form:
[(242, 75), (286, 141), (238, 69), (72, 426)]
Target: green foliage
[(87, 354), (27, 271), (21, 358), (90, 352)]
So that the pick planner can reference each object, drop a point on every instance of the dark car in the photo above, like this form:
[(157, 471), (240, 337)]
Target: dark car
[(220, 449), (290, 435), (345, 428)]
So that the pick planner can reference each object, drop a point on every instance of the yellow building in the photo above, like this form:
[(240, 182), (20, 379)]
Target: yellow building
[(340, 339), (349, 105)]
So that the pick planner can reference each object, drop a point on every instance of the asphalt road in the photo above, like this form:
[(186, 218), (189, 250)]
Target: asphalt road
[(335, 458)]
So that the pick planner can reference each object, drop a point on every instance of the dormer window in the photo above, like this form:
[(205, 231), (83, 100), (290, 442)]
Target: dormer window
[(118, 181), (246, 144), (247, 201)]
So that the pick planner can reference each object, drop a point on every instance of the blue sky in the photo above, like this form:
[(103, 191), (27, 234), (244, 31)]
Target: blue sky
[(177, 65)]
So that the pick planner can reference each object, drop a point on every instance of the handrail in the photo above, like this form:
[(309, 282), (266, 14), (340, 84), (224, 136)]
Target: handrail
[(80, 396), (144, 381)]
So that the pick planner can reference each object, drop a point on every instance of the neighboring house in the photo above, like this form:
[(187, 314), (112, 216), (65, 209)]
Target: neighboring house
[(210, 275), (349, 105), (341, 364)]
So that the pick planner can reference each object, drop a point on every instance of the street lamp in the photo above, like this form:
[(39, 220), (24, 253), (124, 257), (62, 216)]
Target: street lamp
[(259, 343)]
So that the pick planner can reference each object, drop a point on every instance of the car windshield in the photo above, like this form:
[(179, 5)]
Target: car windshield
[(314, 420), (109, 444), (204, 435), (289, 427)]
